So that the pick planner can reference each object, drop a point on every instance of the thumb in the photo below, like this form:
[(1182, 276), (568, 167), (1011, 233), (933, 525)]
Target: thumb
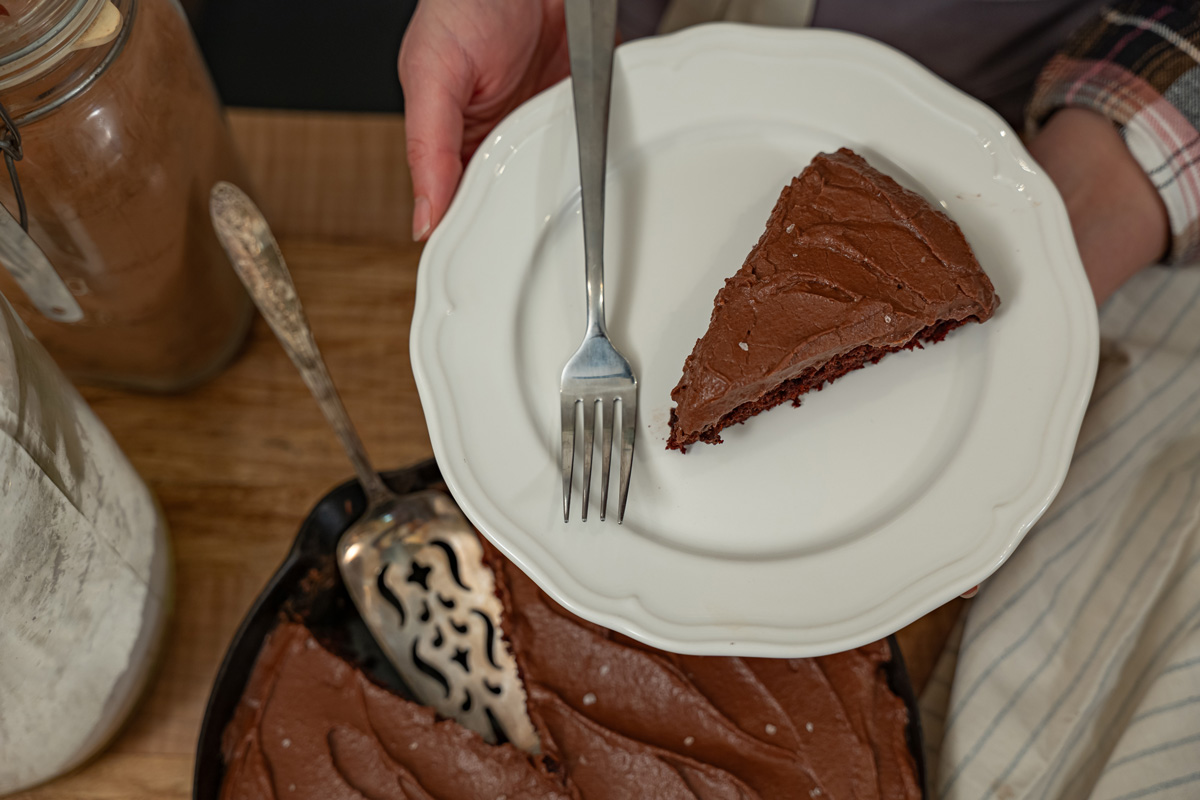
[(435, 94)]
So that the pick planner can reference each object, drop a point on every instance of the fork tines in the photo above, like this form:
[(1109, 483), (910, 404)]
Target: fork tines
[(608, 407)]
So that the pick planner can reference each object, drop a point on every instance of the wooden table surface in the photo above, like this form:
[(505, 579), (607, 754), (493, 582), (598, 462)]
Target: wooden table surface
[(238, 462)]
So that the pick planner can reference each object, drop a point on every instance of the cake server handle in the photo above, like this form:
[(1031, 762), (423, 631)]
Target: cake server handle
[(591, 34), (254, 253)]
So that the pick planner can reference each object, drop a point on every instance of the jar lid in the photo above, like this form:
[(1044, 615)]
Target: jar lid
[(37, 34)]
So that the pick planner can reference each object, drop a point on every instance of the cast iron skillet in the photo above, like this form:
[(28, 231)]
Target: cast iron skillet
[(329, 613)]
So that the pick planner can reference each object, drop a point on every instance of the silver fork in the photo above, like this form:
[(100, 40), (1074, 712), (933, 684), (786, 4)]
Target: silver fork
[(597, 377)]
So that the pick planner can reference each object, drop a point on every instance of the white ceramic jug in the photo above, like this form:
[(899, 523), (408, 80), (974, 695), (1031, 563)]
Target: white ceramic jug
[(84, 570)]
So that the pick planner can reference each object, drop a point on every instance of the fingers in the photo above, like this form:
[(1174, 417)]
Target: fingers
[(437, 85), (969, 593)]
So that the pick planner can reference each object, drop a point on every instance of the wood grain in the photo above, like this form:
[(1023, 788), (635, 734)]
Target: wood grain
[(238, 462), (331, 177)]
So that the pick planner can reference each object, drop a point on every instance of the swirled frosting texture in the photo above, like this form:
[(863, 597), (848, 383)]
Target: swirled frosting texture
[(851, 266), (616, 719)]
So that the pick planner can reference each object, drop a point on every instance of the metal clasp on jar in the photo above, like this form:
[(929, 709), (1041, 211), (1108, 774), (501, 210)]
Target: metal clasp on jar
[(19, 253)]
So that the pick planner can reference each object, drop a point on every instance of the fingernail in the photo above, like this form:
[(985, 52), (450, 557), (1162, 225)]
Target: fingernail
[(420, 218), (969, 593)]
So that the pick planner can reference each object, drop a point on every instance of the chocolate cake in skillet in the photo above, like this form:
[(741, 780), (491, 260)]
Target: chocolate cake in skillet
[(615, 718), (851, 267)]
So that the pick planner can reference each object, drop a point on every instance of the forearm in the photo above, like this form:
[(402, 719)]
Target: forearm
[(1119, 219), (1115, 102)]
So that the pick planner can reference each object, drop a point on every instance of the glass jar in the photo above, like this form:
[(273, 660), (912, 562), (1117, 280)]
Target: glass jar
[(122, 137), (84, 571)]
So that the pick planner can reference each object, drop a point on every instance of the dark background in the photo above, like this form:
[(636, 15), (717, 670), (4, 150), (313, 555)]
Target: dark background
[(330, 55)]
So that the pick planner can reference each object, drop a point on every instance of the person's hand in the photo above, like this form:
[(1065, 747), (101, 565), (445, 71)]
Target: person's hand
[(464, 65), (1119, 220)]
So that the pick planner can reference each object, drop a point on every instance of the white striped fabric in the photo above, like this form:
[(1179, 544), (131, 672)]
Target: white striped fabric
[(1078, 672)]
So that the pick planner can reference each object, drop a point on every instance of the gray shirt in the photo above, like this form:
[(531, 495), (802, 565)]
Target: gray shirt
[(991, 49)]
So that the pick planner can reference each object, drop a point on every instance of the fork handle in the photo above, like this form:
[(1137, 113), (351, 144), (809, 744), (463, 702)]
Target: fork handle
[(591, 32)]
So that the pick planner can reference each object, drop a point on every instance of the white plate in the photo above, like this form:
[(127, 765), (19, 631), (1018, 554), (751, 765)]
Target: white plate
[(809, 530)]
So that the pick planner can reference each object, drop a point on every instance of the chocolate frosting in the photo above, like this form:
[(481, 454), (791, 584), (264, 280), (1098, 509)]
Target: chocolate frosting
[(616, 719), (849, 260), (311, 725), (622, 716)]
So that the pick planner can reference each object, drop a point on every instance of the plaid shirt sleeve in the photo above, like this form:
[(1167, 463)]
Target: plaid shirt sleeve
[(1138, 63)]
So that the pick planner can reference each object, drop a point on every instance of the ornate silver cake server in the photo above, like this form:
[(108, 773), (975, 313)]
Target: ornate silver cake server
[(413, 565)]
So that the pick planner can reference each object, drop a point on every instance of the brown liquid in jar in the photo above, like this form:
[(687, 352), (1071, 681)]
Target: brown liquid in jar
[(116, 180)]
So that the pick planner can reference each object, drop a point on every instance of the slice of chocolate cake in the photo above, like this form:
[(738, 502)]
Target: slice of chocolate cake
[(852, 266)]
